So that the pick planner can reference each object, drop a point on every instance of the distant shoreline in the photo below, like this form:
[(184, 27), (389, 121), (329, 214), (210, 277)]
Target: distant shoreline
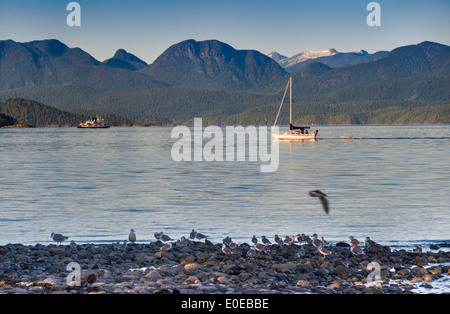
[(26, 126)]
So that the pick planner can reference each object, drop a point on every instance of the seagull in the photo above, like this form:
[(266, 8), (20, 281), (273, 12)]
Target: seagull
[(200, 236), (73, 245), (231, 244), (259, 247), (418, 249), (58, 238), (184, 241), (166, 247), (226, 240), (306, 239), (316, 242), (353, 241), (301, 252), (369, 242), (226, 249), (132, 236), (375, 247), (278, 240), (265, 240), (164, 238), (322, 196), (356, 250), (123, 246), (251, 252), (289, 240), (324, 251)]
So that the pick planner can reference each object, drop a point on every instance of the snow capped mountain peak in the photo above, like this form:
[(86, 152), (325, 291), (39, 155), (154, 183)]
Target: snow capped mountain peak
[(303, 56), (276, 56), (330, 57), (362, 52)]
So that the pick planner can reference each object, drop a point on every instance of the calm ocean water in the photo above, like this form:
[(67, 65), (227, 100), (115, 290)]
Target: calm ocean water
[(391, 183)]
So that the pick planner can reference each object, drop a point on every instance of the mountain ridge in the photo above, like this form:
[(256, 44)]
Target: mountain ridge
[(50, 62), (217, 65), (125, 60), (216, 81)]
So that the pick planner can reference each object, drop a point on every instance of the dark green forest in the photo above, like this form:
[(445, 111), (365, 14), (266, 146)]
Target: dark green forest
[(6, 120)]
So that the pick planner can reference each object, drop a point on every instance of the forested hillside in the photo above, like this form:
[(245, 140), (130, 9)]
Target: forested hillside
[(37, 114), (6, 120)]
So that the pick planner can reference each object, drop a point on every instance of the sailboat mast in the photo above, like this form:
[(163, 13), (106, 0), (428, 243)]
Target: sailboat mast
[(290, 111)]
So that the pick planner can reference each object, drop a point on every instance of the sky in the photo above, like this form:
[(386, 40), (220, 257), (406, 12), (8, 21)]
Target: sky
[(147, 28)]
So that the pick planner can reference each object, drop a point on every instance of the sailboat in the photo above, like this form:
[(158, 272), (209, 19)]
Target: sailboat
[(295, 132)]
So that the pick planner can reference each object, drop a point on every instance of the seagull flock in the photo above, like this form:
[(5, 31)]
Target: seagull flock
[(262, 247)]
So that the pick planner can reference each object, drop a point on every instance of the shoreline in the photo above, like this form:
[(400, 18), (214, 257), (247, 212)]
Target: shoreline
[(27, 126), (202, 268)]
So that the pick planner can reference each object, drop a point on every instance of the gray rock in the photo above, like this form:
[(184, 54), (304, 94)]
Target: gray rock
[(153, 275), (342, 271)]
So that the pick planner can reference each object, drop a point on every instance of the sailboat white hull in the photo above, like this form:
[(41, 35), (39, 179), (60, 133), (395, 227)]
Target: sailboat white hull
[(293, 136), (296, 133)]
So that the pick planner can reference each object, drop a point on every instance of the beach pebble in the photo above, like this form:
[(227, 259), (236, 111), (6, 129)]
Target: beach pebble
[(428, 278), (435, 270), (303, 283), (342, 271), (404, 272), (290, 266), (18, 290), (52, 280), (192, 266), (153, 275)]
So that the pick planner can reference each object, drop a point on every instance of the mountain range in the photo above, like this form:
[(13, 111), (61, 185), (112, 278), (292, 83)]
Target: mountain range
[(224, 85), (330, 57), (50, 63)]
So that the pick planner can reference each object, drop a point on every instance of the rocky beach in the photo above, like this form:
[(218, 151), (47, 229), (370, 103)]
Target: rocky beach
[(202, 267)]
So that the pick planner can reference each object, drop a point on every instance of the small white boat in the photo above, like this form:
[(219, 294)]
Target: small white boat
[(95, 123), (299, 134), (295, 132)]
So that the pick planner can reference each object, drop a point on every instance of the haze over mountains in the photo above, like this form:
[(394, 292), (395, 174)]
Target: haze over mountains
[(224, 85)]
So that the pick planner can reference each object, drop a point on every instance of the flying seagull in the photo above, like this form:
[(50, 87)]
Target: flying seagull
[(322, 196)]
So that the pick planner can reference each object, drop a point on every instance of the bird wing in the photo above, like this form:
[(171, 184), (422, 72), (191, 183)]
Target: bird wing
[(325, 206)]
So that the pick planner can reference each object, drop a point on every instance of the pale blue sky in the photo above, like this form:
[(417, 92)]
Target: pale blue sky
[(146, 28)]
